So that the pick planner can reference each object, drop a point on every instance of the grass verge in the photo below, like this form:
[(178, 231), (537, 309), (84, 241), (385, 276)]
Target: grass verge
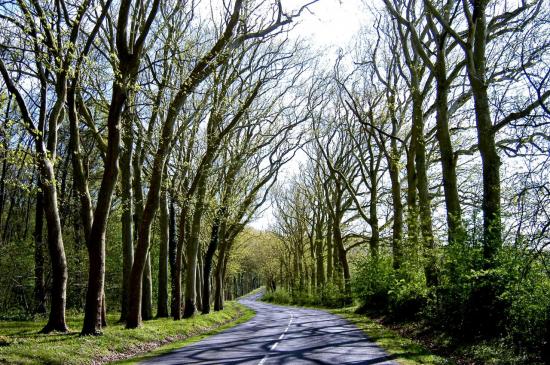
[(401, 349), (23, 344)]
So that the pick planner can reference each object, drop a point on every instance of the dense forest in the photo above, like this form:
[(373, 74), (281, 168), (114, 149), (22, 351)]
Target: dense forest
[(408, 174)]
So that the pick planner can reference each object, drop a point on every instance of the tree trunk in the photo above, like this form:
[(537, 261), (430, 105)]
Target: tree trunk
[(329, 251), (147, 294), (39, 285), (425, 209), (456, 233), (127, 216), (96, 240), (208, 257), (374, 242), (492, 226), (320, 273), (56, 320), (397, 227), (177, 295), (219, 275), (172, 255), (198, 282), (162, 301), (343, 260), (193, 248), (412, 212)]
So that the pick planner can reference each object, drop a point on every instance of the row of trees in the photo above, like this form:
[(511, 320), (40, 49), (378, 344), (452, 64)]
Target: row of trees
[(437, 116), (171, 118)]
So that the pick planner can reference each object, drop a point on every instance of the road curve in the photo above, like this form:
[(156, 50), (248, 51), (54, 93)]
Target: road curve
[(282, 335)]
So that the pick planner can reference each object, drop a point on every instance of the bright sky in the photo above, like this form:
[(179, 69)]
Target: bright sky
[(330, 23), (329, 26)]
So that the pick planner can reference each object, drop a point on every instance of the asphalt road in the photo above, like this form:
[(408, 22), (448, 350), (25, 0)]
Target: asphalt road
[(282, 335)]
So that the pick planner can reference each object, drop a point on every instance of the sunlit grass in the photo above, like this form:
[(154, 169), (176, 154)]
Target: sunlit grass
[(26, 346), (401, 349)]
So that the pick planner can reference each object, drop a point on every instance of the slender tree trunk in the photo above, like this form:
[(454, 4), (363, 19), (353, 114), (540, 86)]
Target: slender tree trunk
[(218, 276), (179, 263), (96, 240), (329, 251), (412, 211), (397, 227), (374, 242), (456, 233), (56, 320), (172, 256), (339, 244), (39, 285), (198, 282), (127, 215), (162, 301), (425, 209), (320, 266), (208, 257), (476, 68), (193, 248)]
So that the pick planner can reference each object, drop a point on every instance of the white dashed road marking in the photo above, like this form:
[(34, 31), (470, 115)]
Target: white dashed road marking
[(280, 338)]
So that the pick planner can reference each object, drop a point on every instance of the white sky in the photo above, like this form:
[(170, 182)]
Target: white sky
[(329, 26), (329, 23)]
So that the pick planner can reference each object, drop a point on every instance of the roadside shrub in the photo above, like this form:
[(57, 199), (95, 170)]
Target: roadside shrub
[(407, 296), (331, 296), (527, 313), (279, 296), (372, 282)]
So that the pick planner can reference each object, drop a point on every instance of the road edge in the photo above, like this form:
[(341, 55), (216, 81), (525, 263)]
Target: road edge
[(246, 314)]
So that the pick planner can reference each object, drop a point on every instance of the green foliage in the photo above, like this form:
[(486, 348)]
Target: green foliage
[(26, 346), (329, 296), (16, 279), (279, 296), (497, 313), (373, 281), (378, 286)]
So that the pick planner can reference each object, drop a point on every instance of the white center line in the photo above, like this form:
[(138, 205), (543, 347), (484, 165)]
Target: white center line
[(280, 338)]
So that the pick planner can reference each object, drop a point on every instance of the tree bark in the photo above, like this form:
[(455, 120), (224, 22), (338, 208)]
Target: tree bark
[(179, 262), (172, 255), (424, 200), (147, 294), (162, 300), (96, 240), (39, 284), (56, 320), (208, 257), (193, 247), (456, 233), (127, 201), (320, 266), (476, 69), (397, 227), (329, 251)]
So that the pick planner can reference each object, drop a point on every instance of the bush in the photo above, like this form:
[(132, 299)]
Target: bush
[(279, 296), (372, 282), (330, 296), (377, 286)]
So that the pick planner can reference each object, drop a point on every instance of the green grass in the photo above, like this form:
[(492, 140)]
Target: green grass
[(26, 346), (403, 350), (253, 292)]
